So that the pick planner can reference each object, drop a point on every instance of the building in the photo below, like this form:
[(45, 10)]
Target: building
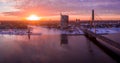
[(64, 21)]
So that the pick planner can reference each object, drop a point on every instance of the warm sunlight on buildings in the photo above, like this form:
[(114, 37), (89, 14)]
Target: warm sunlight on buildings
[(33, 18)]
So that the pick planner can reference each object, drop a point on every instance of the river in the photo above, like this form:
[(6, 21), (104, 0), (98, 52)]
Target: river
[(51, 47)]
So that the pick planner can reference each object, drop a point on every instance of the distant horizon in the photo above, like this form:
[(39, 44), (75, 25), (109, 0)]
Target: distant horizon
[(71, 17), (51, 20)]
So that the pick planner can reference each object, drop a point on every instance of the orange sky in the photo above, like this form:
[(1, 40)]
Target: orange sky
[(51, 9), (57, 17)]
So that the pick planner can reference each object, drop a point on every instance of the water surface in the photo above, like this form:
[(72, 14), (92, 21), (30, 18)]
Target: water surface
[(50, 47)]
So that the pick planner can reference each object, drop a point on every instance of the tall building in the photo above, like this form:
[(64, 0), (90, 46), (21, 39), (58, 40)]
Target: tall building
[(64, 21)]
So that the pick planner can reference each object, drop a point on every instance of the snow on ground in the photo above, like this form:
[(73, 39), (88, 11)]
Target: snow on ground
[(105, 30), (67, 32), (116, 29), (40, 30), (98, 31), (13, 31)]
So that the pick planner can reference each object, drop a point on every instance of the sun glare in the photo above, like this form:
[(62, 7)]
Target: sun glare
[(33, 17)]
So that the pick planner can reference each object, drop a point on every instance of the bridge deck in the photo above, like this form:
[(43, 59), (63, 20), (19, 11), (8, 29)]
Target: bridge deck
[(110, 42)]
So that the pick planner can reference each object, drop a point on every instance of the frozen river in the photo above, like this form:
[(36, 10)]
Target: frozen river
[(50, 47)]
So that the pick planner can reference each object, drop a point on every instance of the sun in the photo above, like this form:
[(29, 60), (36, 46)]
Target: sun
[(33, 17)]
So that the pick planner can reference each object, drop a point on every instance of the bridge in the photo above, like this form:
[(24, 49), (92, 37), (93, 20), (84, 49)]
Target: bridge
[(110, 47), (94, 36)]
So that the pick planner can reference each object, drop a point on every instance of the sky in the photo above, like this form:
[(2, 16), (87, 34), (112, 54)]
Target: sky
[(51, 9)]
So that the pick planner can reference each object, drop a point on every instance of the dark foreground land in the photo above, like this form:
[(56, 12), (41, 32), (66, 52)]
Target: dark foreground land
[(13, 25)]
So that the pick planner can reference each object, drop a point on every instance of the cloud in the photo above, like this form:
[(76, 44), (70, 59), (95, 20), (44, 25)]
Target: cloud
[(54, 7), (69, 5), (13, 13)]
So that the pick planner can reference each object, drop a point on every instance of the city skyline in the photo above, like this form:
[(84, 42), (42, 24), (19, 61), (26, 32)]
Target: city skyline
[(51, 9)]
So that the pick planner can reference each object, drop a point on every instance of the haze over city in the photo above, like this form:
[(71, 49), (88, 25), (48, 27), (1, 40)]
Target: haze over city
[(59, 31), (51, 9)]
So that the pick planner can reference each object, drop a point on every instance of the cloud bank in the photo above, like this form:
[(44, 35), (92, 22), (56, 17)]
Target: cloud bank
[(54, 7)]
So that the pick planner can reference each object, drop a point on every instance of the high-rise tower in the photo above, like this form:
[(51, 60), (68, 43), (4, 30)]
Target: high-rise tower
[(64, 21)]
